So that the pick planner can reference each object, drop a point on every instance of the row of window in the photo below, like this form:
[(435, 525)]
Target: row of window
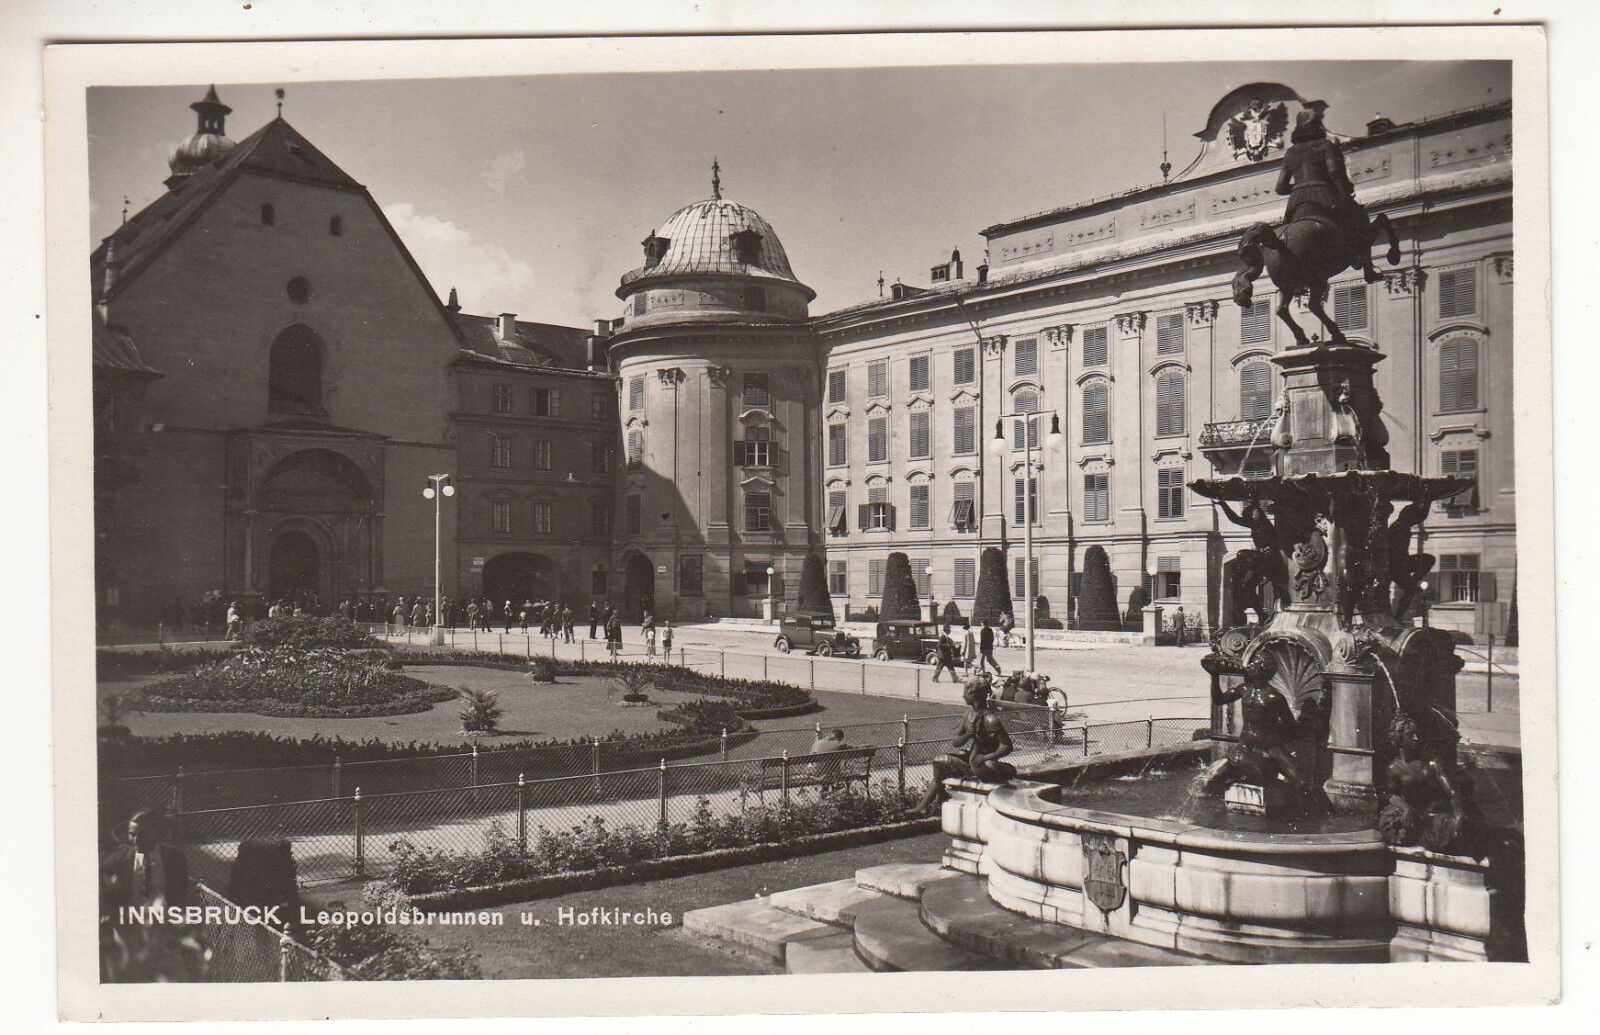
[(755, 391), (540, 518), (539, 453), (546, 402)]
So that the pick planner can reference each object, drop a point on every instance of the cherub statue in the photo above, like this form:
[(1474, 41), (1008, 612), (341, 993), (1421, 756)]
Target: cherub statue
[(1260, 567), (1267, 730), (1429, 804), (980, 744)]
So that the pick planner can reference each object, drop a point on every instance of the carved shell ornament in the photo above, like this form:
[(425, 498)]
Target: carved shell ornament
[(1297, 672)]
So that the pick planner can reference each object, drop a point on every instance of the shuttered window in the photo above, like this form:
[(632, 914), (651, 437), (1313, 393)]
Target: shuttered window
[(966, 437), (963, 512), (1097, 497), (875, 577), (1169, 492), (1461, 463), (838, 445), (1021, 574), (966, 585), (1096, 412), (920, 447), (1169, 334), (837, 522), (1255, 390), (919, 575), (1025, 494), (636, 393), (917, 374), (1461, 578), (1094, 347), (1255, 321), (635, 448), (966, 367), (877, 379), (837, 578), (877, 440), (1025, 361), (877, 513), (758, 512), (1458, 375), (757, 391), (836, 386), (1169, 403), (1350, 307), (919, 506), (1458, 293), (1025, 401)]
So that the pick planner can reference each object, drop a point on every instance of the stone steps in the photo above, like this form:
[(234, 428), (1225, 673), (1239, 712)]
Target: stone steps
[(907, 917)]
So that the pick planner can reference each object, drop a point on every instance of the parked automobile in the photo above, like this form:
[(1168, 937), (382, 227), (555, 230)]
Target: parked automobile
[(918, 641), (815, 634)]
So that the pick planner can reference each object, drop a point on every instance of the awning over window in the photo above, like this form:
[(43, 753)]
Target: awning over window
[(836, 519)]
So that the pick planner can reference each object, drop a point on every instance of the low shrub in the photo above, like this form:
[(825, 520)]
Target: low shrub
[(308, 632), (376, 953), (289, 681), (594, 844), (480, 711)]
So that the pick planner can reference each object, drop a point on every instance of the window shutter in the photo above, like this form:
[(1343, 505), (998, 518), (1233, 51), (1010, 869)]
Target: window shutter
[(1255, 321), (1486, 587), (1094, 347), (1350, 307), (889, 510), (1169, 403), (1095, 417), (555, 402), (864, 515), (1458, 293), (1255, 390), (1169, 334)]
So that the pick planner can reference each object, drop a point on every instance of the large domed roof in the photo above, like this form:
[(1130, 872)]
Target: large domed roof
[(716, 236)]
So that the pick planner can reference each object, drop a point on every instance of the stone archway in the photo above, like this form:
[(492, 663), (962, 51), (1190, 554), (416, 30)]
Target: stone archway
[(520, 577), (317, 506), (638, 585)]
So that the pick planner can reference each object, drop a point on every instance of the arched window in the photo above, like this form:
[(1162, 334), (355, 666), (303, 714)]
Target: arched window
[(1025, 401), (294, 373), (336, 226), (1169, 403), (269, 215), (1255, 390), (298, 290), (1458, 375), (1096, 413)]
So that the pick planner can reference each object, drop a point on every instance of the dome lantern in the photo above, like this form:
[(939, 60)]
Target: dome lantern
[(207, 144)]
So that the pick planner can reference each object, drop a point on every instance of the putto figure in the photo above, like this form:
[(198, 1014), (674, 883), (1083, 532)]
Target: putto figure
[(979, 746), (1428, 804), (1267, 730)]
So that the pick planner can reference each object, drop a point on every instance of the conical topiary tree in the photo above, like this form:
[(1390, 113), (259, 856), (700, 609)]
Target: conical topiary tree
[(994, 593), (814, 598), (1097, 602), (899, 591), (1138, 600)]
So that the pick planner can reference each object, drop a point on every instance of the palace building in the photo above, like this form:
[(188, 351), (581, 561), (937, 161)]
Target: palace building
[(275, 379)]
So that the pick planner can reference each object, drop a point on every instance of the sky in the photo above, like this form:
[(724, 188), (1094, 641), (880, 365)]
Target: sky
[(531, 195)]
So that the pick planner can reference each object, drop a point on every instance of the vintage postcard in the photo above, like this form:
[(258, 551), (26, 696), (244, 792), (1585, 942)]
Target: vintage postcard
[(803, 515)]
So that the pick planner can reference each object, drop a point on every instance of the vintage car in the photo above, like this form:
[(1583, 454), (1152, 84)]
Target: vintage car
[(815, 634), (918, 641)]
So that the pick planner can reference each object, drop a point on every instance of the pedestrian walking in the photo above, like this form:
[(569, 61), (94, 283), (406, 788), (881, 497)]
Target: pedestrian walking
[(417, 613), (509, 613), (522, 616), (235, 623), (594, 617), (969, 650), (566, 623), (614, 635), (1178, 629), (947, 655), (986, 649), (648, 627)]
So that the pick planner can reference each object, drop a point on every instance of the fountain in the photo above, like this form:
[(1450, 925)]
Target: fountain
[(1337, 824)]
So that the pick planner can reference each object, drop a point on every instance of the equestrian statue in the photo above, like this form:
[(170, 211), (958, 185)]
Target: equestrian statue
[(1325, 230)]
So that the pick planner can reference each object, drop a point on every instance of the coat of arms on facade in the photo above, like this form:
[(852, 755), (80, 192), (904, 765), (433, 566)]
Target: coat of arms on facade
[(1257, 130), (1102, 872)]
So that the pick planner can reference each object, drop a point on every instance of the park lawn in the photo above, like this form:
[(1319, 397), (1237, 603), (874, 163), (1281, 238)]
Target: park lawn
[(552, 951)]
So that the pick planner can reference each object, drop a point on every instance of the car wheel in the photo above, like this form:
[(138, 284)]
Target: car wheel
[(881, 654), (825, 650), (782, 644), (932, 658)]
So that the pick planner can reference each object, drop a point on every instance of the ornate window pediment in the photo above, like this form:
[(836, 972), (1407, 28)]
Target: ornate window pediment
[(1092, 375), (839, 412), (1172, 455), (920, 403), (635, 421), (918, 477), (757, 478), (877, 480), (964, 474), (1170, 364), (877, 407), (1097, 462), (965, 397), (1459, 327), (757, 417)]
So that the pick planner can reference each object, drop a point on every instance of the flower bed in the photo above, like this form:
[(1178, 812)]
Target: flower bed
[(318, 682), (593, 845)]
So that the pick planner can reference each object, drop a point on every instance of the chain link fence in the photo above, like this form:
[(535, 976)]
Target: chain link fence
[(250, 950), (356, 835)]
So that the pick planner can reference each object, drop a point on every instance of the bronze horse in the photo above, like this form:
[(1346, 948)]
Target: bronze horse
[(1301, 258)]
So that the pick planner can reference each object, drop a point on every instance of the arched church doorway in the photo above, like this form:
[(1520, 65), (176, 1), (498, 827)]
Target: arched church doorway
[(519, 577), (296, 570), (638, 586)]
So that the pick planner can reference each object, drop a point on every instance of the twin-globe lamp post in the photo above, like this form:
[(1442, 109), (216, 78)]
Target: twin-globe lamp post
[(1025, 427), (438, 487)]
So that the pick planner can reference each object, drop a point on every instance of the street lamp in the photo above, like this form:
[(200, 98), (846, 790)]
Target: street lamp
[(1031, 592), (933, 605), (437, 489), (769, 609)]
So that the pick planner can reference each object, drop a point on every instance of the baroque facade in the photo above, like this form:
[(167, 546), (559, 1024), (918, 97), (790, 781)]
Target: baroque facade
[(274, 380)]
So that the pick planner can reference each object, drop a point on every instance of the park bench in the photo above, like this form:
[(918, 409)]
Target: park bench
[(827, 769)]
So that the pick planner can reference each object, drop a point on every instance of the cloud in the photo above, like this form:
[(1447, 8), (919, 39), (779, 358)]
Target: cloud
[(502, 169), (490, 278)]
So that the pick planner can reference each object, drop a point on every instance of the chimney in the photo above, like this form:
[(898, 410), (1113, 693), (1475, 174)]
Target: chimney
[(597, 354), (602, 327), (956, 270), (1379, 124), (508, 326), (454, 305)]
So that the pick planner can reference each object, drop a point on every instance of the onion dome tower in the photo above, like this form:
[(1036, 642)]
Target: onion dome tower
[(718, 378), (207, 144)]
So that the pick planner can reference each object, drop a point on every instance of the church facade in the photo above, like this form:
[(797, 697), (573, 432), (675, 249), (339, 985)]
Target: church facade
[(275, 380)]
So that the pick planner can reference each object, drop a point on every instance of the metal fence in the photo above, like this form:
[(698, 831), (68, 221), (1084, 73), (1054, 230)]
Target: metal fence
[(250, 950), (196, 790), (358, 835)]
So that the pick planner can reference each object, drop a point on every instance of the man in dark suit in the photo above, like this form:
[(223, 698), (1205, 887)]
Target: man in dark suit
[(143, 872), (986, 649)]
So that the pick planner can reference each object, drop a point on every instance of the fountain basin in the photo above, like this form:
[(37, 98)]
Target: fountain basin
[(1333, 894)]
